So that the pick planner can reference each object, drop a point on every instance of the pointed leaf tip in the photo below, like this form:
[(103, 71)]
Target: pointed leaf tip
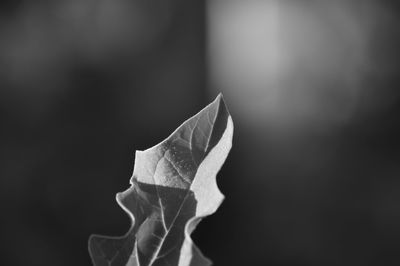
[(173, 188)]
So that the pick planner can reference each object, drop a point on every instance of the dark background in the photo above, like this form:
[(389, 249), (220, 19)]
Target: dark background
[(83, 84)]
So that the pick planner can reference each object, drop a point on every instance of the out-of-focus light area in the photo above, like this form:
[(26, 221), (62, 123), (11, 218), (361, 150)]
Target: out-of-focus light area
[(313, 87), (300, 63)]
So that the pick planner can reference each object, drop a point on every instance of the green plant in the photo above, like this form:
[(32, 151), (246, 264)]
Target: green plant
[(172, 188)]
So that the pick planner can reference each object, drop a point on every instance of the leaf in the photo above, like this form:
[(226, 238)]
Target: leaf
[(172, 188)]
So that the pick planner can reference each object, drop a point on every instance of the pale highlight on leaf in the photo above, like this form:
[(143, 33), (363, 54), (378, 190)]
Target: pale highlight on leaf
[(172, 188)]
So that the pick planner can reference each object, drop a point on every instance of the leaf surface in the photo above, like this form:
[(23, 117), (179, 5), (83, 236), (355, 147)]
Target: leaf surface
[(172, 188)]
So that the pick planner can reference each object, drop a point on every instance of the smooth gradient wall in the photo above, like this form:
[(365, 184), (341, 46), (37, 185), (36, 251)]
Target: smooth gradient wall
[(83, 84)]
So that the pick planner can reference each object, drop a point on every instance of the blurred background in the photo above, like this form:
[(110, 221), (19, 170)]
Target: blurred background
[(313, 177)]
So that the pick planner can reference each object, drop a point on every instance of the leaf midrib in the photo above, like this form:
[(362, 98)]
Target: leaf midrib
[(155, 255)]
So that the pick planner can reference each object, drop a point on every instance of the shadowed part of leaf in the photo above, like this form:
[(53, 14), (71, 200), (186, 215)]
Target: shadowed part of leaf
[(221, 121), (202, 132), (149, 234)]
